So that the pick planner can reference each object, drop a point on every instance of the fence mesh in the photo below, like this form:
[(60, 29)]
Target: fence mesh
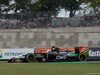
[(42, 19)]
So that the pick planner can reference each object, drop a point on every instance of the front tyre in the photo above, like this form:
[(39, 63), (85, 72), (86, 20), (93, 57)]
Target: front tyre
[(82, 57), (30, 58), (10, 61)]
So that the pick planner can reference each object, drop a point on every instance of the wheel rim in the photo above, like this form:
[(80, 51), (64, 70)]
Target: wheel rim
[(31, 58), (82, 57)]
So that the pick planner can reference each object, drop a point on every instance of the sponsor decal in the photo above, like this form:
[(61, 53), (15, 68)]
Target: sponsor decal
[(83, 49), (61, 57), (44, 50)]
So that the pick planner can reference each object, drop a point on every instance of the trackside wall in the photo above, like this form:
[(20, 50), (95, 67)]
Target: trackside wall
[(45, 38)]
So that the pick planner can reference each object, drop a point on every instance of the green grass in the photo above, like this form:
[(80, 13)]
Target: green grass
[(48, 68)]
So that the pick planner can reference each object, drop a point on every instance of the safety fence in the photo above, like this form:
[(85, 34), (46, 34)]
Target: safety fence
[(29, 20)]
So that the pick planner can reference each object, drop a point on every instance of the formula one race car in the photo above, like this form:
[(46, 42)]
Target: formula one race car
[(79, 54)]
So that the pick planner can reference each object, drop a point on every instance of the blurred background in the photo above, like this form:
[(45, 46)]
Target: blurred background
[(28, 14)]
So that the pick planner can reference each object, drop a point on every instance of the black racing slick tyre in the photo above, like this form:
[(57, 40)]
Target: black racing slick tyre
[(30, 58), (10, 61), (82, 57)]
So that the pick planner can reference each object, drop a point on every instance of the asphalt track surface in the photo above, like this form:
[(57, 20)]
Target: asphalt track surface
[(78, 62)]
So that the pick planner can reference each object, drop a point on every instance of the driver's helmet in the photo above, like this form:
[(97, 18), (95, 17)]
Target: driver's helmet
[(53, 48)]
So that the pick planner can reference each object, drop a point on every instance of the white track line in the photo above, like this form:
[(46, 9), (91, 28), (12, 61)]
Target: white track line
[(93, 73)]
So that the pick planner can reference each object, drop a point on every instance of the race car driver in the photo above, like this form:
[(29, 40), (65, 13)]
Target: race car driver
[(54, 48)]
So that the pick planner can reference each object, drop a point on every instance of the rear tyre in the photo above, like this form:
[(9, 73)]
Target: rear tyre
[(30, 58), (82, 57)]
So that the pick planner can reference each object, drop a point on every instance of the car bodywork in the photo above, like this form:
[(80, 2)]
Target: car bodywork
[(78, 54)]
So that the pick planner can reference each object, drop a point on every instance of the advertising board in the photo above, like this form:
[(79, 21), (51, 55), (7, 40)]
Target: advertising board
[(94, 53), (9, 53)]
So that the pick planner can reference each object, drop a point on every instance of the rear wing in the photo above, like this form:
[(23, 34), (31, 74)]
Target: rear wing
[(84, 50)]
